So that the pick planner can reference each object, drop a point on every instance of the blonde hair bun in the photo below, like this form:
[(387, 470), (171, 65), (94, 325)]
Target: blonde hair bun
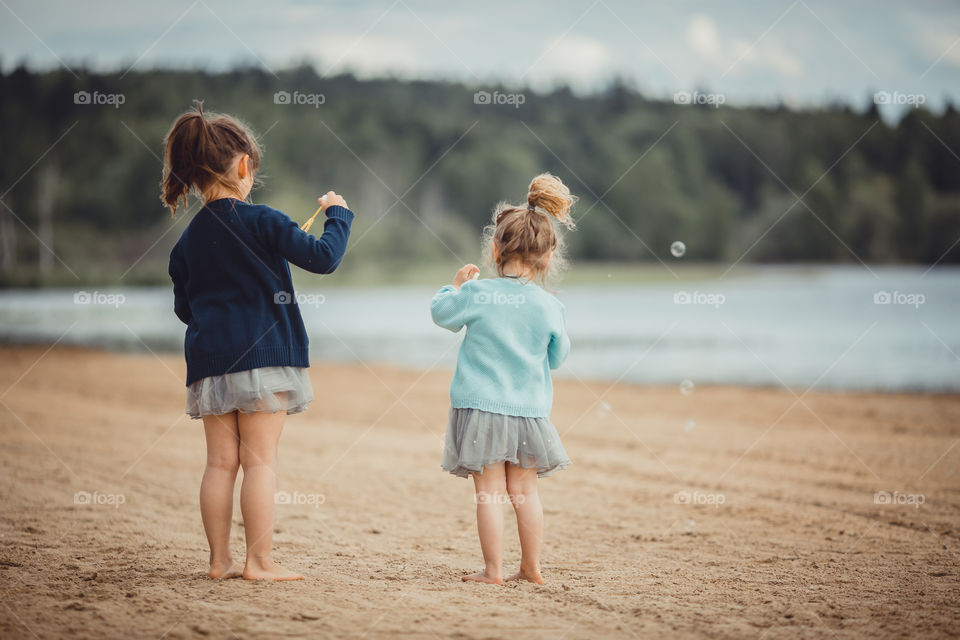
[(529, 234), (548, 193)]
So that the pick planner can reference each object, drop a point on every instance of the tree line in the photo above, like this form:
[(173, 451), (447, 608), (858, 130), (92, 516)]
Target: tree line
[(424, 162)]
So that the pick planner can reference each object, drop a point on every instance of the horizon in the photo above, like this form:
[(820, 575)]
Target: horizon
[(803, 54), (889, 115)]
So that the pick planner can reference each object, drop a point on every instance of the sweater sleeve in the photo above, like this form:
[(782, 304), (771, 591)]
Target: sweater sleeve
[(317, 255), (181, 306), (448, 306), (559, 347)]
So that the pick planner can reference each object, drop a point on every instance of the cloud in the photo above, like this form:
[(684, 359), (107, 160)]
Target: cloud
[(704, 38), (583, 61), (769, 55), (702, 35), (370, 55), (940, 45)]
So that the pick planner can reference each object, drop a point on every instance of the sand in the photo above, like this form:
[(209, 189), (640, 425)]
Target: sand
[(781, 535)]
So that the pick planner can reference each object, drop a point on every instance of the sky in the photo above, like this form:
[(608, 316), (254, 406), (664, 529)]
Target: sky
[(802, 52)]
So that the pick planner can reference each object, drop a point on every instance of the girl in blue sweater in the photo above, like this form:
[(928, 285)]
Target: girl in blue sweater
[(499, 430), (245, 345)]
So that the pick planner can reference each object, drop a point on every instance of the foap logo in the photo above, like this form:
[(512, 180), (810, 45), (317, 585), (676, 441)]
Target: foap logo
[(96, 98), (296, 498), (696, 98), (99, 298), (885, 497), (297, 98), (485, 497), (698, 498), (85, 498), (301, 299), (914, 100), (899, 297), (699, 298), (513, 99), (499, 298)]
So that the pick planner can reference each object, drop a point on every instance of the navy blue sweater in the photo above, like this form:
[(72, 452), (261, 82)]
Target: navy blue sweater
[(232, 285)]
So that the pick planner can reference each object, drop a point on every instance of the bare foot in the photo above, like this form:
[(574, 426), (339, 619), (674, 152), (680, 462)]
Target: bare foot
[(481, 576), (269, 571), (225, 571), (528, 575)]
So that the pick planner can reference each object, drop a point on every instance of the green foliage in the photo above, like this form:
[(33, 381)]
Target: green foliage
[(423, 166)]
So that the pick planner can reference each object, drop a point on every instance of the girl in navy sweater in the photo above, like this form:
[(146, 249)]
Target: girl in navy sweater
[(245, 345)]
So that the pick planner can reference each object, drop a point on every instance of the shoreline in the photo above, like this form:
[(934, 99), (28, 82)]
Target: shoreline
[(133, 349)]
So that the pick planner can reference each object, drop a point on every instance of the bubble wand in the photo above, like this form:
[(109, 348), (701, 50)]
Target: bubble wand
[(309, 223)]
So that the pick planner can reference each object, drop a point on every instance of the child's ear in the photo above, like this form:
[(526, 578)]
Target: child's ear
[(243, 166)]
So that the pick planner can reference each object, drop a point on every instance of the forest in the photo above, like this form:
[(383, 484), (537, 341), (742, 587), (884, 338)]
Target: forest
[(424, 162)]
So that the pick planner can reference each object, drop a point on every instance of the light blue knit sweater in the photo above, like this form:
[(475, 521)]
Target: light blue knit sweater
[(515, 335)]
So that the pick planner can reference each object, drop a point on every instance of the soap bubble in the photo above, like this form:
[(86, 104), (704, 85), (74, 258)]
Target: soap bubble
[(686, 387), (691, 524), (678, 249), (603, 409), (689, 426)]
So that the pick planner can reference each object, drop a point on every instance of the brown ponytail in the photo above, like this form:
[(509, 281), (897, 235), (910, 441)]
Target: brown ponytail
[(529, 234), (199, 149)]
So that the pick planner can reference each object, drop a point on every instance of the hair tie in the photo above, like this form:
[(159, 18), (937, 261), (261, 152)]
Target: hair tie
[(204, 125), (530, 207)]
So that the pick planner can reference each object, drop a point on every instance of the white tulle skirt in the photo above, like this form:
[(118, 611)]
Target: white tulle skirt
[(269, 389), (478, 438)]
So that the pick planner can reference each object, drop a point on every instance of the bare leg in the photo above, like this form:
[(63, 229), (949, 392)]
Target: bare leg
[(490, 495), (259, 435), (522, 487), (216, 491)]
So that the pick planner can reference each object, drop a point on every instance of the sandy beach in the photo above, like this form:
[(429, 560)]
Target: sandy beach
[(722, 513)]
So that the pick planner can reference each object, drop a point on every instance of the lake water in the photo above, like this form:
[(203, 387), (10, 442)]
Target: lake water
[(843, 328)]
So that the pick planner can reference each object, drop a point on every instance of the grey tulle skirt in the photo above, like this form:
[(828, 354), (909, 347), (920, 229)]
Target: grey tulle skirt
[(478, 438), (269, 389)]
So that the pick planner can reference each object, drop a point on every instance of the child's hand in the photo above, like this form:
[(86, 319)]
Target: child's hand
[(331, 199), (467, 272)]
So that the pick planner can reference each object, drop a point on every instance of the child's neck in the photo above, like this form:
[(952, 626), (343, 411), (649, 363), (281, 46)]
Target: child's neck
[(517, 269), (219, 192)]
